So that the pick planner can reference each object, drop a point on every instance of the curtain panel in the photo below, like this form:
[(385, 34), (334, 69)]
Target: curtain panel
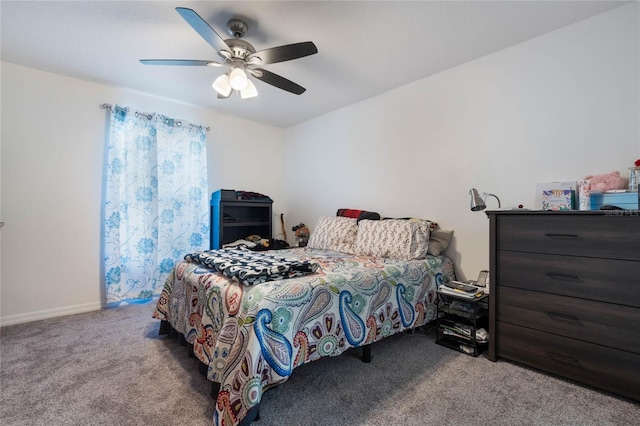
[(156, 205)]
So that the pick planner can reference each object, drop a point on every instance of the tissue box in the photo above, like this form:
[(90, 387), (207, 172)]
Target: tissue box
[(625, 200)]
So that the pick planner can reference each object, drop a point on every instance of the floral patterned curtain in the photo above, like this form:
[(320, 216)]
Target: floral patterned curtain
[(156, 201)]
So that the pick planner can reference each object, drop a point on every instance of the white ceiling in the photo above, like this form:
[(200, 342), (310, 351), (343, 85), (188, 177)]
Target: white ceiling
[(365, 47)]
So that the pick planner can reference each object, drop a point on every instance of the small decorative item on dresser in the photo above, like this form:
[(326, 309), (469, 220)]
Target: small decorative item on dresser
[(558, 199), (550, 186), (634, 177), (606, 182), (584, 194)]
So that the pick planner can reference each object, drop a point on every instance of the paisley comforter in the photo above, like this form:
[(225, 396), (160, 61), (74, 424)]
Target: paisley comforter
[(252, 337)]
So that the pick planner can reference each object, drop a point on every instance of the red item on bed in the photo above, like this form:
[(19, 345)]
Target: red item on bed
[(358, 214)]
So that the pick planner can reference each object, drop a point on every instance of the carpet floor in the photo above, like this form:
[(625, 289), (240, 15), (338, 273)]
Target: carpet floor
[(111, 367)]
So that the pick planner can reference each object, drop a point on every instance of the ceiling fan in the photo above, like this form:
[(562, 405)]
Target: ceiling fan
[(240, 58)]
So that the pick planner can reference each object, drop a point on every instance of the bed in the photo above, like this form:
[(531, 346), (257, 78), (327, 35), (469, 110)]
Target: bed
[(364, 286)]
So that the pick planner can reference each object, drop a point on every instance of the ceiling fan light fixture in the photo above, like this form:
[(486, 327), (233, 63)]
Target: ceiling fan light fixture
[(249, 91), (222, 85), (238, 78), (225, 54), (240, 56)]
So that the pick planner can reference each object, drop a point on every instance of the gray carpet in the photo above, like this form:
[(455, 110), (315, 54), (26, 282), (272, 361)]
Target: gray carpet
[(111, 368)]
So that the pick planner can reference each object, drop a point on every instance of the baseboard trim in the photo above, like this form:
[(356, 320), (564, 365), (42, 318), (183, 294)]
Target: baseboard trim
[(50, 313)]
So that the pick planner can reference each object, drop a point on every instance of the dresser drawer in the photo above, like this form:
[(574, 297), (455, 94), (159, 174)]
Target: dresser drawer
[(612, 237), (596, 322), (610, 369), (607, 280)]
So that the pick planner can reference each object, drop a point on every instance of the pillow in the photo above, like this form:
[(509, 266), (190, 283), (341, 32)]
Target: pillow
[(393, 238), (334, 233), (432, 225), (439, 240), (358, 214)]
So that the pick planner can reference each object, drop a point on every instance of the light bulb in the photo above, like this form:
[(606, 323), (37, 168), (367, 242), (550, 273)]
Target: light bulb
[(238, 79), (222, 86), (249, 91)]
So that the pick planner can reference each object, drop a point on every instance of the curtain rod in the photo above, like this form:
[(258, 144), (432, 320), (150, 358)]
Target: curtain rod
[(109, 106)]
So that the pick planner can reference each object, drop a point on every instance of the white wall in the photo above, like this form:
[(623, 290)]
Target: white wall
[(558, 107), (53, 135)]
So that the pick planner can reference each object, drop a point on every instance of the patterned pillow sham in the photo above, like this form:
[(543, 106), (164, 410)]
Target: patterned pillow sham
[(334, 233), (393, 238), (432, 225)]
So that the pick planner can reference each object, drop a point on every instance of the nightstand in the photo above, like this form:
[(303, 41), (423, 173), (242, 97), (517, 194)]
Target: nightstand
[(458, 320)]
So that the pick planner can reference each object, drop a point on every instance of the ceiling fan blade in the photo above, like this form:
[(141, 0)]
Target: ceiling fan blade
[(280, 82), (202, 28), (187, 62), (284, 53)]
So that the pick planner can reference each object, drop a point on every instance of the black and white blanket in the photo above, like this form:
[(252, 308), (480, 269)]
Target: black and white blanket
[(252, 267)]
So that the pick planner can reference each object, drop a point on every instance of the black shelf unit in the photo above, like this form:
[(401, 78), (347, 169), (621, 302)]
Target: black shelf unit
[(233, 219), (459, 312)]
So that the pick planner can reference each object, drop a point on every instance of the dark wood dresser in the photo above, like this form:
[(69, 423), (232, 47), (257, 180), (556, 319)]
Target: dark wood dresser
[(565, 294)]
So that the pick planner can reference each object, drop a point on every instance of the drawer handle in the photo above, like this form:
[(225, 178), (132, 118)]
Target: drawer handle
[(562, 276), (563, 359), (563, 317), (562, 235)]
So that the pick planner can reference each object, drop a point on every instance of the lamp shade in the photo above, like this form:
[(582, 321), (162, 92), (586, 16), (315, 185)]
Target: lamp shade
[(238, 79), (249, 91), (477, 203), (222, 85)]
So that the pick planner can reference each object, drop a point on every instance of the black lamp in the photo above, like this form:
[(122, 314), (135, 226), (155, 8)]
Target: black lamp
[(478, 203)]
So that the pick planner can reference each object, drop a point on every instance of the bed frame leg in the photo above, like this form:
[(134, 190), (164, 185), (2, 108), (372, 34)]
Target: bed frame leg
[(203, 369), (190, 352), (215, 389), (182, 340), (252, 414), (366, 353), (165, 328)]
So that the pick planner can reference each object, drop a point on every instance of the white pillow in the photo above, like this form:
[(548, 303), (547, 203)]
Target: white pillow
[(335, 233), (393, 238)]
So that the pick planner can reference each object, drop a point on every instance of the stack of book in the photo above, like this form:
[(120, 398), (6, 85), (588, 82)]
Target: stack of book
[(463, 331), (457, 329), (457, 288)]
